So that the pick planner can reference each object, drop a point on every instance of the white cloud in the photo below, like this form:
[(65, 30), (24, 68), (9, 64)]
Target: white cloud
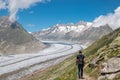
[(2, 5), (15, 5), (112, 19), (31, 25)]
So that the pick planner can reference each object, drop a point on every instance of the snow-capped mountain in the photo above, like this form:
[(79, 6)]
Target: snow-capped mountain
[(82, 32), (79, 27), (65, 28)]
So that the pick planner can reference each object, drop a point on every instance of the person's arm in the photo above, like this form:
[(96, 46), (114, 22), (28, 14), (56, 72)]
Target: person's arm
[(84, 60), (77, 60)]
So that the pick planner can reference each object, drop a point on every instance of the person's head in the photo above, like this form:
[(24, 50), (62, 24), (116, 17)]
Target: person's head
[(80, 52)]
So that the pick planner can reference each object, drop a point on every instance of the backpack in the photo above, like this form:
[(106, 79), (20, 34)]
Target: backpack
[(80, 59)]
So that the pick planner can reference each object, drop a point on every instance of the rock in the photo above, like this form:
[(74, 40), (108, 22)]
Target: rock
[(111, 69)]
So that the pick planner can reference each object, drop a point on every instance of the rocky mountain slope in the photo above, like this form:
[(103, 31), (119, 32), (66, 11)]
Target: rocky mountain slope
[(105, 56), (82, 33), (102, 61), (14, 39)]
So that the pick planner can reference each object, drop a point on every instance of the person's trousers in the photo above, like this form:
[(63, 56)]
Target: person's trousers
[(80, 70)]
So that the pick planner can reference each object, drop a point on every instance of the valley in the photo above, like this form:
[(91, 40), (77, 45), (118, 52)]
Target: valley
[(14, 67)]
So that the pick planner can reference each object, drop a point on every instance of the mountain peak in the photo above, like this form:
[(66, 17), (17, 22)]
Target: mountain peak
[(14, 38), (81, 32), (5, 22), (65, 28)]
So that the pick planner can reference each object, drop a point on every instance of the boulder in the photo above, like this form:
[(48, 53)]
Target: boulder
[(111, 69)]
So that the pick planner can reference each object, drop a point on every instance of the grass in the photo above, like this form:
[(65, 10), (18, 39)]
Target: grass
[(105, 40), (67, 70)]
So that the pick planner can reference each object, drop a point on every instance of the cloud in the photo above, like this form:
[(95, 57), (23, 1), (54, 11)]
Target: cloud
[(2, 5), (31, 25), (31, 12), (15, 5), (112, 19)]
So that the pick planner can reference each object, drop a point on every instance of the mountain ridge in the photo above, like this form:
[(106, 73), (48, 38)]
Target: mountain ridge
[(15, 39), (82, 33)]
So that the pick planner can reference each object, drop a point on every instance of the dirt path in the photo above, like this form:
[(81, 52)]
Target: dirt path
[(87, 77)]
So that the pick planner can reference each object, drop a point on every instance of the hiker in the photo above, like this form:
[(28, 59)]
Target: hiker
[(80, 63)]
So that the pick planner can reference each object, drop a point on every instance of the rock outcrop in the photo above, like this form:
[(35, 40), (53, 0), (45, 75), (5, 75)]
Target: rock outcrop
[(111, 69), (105, 57)]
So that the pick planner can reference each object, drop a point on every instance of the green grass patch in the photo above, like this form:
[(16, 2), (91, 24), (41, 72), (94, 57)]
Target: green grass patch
[(61, 71)]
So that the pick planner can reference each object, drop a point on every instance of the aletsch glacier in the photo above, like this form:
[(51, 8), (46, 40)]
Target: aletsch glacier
[(29, 63)]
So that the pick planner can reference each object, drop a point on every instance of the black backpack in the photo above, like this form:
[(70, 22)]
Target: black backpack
[(80, 59)]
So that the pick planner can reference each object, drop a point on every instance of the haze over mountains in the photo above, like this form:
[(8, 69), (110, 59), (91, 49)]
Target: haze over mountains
[(15, 39), (82, 32)]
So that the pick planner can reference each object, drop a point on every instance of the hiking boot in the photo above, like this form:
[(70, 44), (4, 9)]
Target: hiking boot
[(82, 78)]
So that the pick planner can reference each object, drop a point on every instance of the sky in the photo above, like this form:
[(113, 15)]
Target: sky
[(35, 15)]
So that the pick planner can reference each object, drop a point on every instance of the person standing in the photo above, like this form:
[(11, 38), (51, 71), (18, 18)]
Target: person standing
[(80, 63)]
